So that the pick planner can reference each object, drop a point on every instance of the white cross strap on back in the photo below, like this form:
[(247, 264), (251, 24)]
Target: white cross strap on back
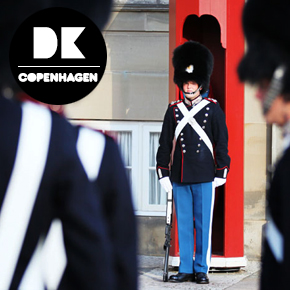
[(275, 240), (23, 186), (90, 147), (50, 254), (47, 265), (188, 117)]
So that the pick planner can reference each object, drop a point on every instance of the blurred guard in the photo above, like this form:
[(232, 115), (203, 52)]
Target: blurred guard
[(267, 65), (43, 188), (45, 196), (112, 187), (110, 183), (197, 125)]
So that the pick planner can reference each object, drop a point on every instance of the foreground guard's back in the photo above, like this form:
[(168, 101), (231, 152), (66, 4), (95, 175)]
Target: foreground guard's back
[(52, 189)]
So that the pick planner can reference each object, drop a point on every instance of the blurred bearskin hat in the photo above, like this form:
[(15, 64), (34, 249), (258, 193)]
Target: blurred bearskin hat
[(265, 24), (192, 61), (14, 12)]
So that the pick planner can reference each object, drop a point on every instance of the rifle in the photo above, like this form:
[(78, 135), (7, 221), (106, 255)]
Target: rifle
[(168, 227)]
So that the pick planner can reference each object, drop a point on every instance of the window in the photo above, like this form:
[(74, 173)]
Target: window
[(154, 197), (138, 142), (155, 194), (124, 139)]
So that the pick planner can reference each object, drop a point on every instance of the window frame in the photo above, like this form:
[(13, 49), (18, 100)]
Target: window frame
[(153, 127), (140, 162)]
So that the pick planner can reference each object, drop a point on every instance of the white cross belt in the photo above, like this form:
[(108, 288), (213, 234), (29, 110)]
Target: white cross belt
[(188, 118)]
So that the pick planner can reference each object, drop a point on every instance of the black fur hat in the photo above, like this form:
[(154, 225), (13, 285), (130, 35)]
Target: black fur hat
[(265, 24), (192, 61)]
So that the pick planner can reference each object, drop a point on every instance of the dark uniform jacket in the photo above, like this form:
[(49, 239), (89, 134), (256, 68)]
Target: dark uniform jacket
[(117, 201), (192, 159), (64, 193), (276, 243), (112, 187)]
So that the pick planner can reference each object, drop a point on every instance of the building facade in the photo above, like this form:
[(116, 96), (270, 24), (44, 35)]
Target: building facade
[(130, 102)]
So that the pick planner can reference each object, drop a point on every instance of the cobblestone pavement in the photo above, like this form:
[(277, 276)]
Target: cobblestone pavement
[(151, 277)]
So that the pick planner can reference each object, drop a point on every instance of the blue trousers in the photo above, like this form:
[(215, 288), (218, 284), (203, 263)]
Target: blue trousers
[(194, 201)]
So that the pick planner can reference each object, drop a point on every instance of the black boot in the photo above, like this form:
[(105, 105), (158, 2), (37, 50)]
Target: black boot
[(201, 278), (181, 277)]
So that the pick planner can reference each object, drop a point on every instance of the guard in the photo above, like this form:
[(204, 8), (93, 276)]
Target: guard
[(48, 208), (197, 162), (266, 64)]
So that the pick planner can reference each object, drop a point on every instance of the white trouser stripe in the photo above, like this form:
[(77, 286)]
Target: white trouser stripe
[(23, 186), (208, 255)]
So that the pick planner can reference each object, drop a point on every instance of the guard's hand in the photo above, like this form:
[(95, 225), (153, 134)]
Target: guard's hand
[(219, 181), (166, 183)]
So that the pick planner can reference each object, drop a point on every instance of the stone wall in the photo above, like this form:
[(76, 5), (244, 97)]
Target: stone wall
[(255, 146), (135, 84)]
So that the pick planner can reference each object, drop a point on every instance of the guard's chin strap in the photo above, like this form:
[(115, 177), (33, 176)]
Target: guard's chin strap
[(192, 93), (275, 88)]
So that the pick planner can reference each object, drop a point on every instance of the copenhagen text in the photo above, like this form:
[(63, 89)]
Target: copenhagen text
[(58, 77)]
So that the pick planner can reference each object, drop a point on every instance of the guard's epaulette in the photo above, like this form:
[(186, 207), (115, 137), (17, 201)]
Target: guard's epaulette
[(212, 100), (175, 103)]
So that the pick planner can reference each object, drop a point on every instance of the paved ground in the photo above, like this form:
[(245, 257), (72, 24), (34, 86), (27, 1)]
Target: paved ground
[(151, 275)]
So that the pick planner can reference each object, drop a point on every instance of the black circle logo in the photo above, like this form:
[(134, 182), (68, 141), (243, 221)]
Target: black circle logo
[(58, 56)]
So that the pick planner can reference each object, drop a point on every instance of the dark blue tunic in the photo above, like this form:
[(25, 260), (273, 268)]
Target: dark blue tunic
[(192, 159)]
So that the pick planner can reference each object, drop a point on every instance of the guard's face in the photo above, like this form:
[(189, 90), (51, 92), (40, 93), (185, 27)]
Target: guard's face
[(278, 113), (190, 86)]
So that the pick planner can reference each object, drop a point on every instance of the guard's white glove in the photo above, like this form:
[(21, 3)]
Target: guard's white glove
[(166, 183), (219, 181)]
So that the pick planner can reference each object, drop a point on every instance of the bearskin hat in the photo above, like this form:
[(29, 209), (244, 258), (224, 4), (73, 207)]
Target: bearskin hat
[(192, 61), (265, 25)]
